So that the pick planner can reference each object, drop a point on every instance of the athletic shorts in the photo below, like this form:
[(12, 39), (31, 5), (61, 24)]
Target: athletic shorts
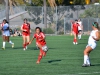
[(25, 34), (92, 45), (80, 31), (43, 44), (76, 32), (6, 33)]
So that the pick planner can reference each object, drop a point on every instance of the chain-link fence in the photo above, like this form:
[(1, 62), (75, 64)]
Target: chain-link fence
[(58, 18)]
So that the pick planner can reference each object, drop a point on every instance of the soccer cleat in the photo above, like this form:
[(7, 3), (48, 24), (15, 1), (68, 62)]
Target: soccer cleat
[(3, 48), (86, 65), (24, 49), (37, 62), (74, 43), (13, 45)]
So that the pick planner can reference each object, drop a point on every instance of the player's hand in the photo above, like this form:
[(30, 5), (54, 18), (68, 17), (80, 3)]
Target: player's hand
[(30, 43)]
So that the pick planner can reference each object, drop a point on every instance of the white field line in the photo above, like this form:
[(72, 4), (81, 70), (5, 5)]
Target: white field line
[(83, 73)]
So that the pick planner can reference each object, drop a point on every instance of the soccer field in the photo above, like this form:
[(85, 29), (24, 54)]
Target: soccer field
[(63, 58)]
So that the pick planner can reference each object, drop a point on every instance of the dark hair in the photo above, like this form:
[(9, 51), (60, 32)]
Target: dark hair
[(25, 19), (76, 20), (95, 24), (38, 28), (5, 21), (79, 19)]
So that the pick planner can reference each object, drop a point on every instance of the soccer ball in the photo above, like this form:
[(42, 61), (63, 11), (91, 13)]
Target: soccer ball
[(45, 48)]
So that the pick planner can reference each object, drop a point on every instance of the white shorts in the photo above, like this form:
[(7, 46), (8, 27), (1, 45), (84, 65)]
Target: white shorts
[(7, 33), (92, 45)]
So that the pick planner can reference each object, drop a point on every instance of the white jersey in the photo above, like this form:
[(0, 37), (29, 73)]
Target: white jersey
[(80, 27), (92, 34), (6, 32), (91, 42)]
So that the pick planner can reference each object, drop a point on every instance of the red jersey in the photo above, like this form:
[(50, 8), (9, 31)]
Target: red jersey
[(75, 27), (2, 24), (40, 38), (27, 28)]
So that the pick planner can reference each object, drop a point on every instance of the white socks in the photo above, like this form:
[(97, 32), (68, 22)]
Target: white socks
[(86, 59), (79, 36), (10, 42), (4, 44)]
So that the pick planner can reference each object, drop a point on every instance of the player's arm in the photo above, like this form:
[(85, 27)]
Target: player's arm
[(97, 36), (23, 29), (31, 40)]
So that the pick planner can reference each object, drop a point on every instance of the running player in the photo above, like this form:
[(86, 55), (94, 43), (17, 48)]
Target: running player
[(6, 33), (40, 42), (80, 28), (92, 42), (75, 31), (25, 33)]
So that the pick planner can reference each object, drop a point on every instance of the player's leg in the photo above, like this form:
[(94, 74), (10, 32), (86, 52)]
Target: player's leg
[(8, 40), (24, 42), (40, 54), (80, 34), (86, 56), (4, 42), (28, 40), (75, 38)]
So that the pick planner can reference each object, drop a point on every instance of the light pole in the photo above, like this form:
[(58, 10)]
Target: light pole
[(7, 10), (45, 14)]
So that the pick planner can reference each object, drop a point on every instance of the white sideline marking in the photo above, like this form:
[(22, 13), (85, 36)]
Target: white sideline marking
[(83, 73)]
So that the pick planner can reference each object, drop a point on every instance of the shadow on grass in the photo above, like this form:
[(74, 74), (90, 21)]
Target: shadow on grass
[(95, 65), (51, 61)]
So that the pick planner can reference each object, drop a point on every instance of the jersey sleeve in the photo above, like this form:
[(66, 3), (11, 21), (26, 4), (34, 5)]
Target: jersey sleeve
[(43, 35), (34, 36)]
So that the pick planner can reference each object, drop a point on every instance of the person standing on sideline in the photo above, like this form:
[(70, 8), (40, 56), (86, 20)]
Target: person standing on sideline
[(6, 33), (74, 30), (92, 43), (80, 28), (25, 33)]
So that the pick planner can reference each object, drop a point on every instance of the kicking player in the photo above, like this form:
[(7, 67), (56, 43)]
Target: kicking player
[(40, 42), (92, 43), (75, 31), (80, 29), (6, 33), (25, 33)]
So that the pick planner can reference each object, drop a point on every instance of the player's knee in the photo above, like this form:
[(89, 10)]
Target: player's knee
[(85, 52)]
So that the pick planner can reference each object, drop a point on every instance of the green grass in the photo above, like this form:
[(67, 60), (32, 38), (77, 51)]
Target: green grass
[(63, 58)]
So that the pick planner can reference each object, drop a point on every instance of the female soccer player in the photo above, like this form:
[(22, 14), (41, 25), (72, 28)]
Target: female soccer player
[(75, 31), (25, 33), (6, 33), (92, 42), (80, 28), (41, 43)]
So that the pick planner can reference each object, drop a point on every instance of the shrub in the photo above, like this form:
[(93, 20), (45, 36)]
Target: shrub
[(48, 31)]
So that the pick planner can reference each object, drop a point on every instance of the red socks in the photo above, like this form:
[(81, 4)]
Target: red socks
[(24, 45), (27, 43), (75, 40), (39, 58)]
